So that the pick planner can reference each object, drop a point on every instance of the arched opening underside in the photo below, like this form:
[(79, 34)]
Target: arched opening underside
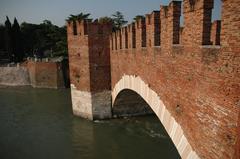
[(129, 103), (133, 85)]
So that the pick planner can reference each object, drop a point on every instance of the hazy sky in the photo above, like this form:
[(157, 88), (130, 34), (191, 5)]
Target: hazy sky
[(35, 11)]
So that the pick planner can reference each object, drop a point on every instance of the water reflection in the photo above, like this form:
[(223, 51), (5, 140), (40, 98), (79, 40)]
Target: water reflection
[(38, 123)]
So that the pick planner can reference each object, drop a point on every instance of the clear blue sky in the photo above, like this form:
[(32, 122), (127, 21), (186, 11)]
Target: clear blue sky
[(35, 11)]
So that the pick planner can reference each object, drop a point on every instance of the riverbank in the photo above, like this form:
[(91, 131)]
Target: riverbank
[(38, 74), (14, 76)]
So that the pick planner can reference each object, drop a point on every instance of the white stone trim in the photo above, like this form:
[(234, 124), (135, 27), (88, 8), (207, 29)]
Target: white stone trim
[(174, 130), (81, 102)]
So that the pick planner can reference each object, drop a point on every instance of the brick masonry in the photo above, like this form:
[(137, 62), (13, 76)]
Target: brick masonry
[(36, 74), (196, 79), (89, 62), (46, 74), (153, 101)]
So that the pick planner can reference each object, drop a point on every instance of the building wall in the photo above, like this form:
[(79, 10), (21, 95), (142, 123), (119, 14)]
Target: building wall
[(46, 74), (197, 80)]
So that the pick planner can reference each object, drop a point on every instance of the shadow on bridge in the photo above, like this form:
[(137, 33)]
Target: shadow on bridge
[(128, 103)]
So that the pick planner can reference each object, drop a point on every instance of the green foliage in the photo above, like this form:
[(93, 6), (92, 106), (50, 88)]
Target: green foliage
[(138, 17), (8, 38), (40, 40), (105, 20), (118, 19), (17, 46), (44, 38), (2, 38), (78, 17)]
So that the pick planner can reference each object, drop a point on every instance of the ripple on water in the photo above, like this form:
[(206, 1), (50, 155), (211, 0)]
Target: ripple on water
[(38, 123)]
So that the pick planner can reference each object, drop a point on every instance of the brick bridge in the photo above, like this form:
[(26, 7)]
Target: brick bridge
[(188, 76)]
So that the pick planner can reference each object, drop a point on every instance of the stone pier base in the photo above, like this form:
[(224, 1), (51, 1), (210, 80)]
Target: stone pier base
[(92, 106)]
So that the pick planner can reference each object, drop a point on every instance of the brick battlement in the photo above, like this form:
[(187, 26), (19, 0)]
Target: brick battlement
[(87, 28), (162, 28)]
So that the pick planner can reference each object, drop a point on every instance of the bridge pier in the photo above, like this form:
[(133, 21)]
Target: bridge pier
[(91, 106), (89, 62)]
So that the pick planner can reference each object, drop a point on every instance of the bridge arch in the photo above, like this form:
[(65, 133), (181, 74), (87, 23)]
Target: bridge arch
[(174, 130)]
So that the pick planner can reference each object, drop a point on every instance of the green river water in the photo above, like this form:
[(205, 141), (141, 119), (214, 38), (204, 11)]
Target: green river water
[(38, 124)]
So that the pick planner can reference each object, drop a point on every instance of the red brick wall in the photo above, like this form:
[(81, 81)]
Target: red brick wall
[(230, 40), (197, 21), (140, 27), (237, 149), (124, 38), (78, 57), (202, 80), (46, 74), (99, 57), (89, 56), (153, 29), (170, 23)]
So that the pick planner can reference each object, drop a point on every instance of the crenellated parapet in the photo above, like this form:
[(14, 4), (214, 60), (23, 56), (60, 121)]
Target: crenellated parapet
[(197, 22), (162, 28), (170, 23), (131, 30), (124, 35), (140, 27), (87, 27), (153, 29)]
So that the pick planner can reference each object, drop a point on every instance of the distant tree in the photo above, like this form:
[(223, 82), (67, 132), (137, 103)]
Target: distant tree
[(44, 39), (47, 22), (17, 42), (138, 17), (30, 38), (78, 17), (105, 20), (118, 19), (2, 38), (8, 39)]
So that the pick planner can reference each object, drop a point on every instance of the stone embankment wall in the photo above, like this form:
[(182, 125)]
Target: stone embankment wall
[(14, 76), (36, 74), (46, 74)]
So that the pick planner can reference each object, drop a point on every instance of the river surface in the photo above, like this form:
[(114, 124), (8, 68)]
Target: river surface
[(38, 124)]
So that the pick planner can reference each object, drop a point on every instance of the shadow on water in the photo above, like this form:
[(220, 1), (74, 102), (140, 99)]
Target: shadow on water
[(38, 123)]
